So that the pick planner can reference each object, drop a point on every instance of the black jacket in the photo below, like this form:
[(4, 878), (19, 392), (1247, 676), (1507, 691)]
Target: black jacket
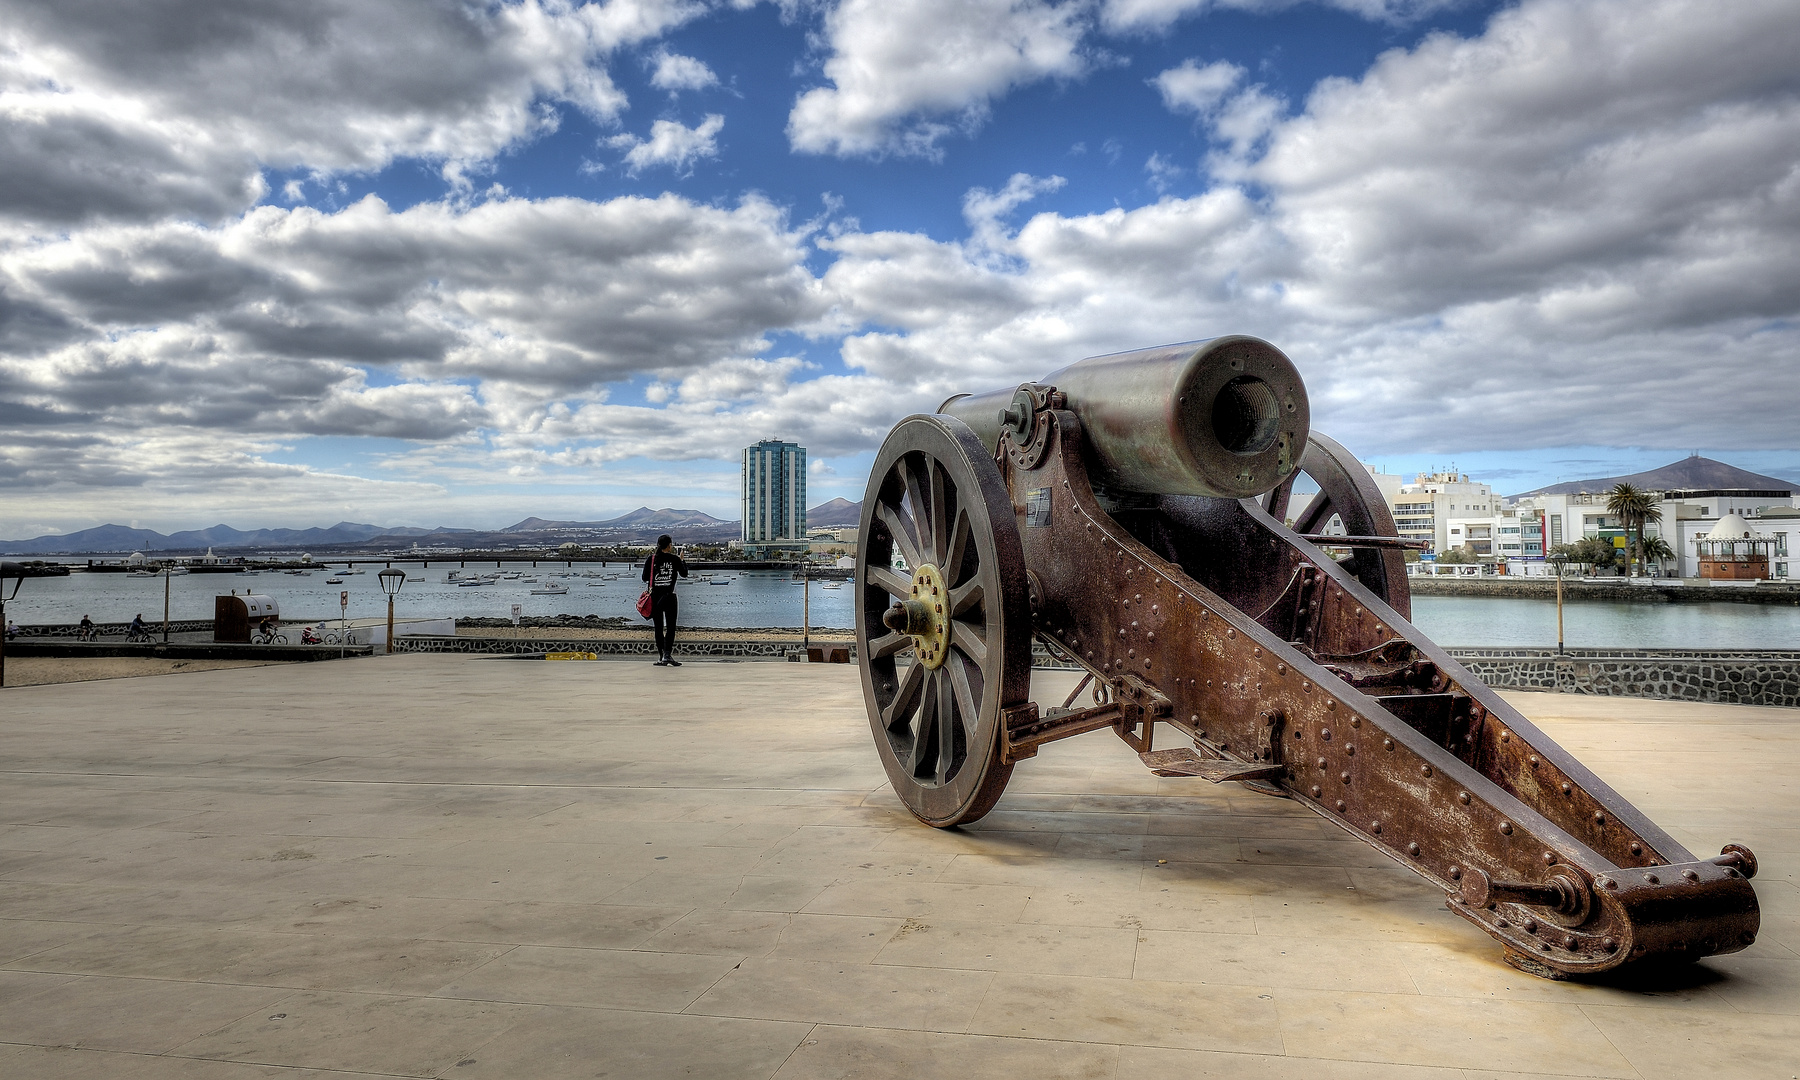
[(664, 560)]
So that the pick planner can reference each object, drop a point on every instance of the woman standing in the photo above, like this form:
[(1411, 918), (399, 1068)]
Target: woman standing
[(659, 573)]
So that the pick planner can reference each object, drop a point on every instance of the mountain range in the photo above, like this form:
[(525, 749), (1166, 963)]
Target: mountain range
[(639, 526), (1694, 473)]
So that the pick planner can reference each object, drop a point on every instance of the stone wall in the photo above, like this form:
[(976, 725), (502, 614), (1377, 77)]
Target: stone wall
[(1642, 591), (1728, 678)]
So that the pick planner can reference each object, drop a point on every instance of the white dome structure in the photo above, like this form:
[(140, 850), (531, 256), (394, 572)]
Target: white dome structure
[(136, 558), (1733, 527)]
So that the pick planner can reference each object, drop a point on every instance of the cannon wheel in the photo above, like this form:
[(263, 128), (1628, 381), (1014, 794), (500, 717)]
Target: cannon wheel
[(1348, 493), (937, 513)]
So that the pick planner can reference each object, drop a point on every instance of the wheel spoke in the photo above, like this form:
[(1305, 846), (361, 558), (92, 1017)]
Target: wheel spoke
[(960, 537), (903, 536), (965, 694), (893, 583), (946, 724), (1276, 502), (965, 597), (905, 697), (888, 644), (964, 637), (917, 494), (938, 510), (924, 747), (1316, 514)]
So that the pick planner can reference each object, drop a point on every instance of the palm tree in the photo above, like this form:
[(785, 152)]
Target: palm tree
[(1634, 509), (1655, 547)]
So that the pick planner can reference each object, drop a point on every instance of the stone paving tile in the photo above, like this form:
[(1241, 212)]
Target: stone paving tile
[(1474, 968), (1138, 910), (587, 926), (922, 899), (1130, 1011), (567, 1044), (1314, 963), (603, 978), (20, 938), (1052, 950), (1163, 1063), (1669, 1044), (408, 1036), (1468, 1033), (873, 1053), (853, 994), (145, 1016), (1031, 872)]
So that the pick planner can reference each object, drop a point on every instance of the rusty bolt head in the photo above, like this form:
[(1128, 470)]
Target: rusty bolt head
[(1340, 806), (1425, 770), (1356, 721), (1281, 669), (1652, 879), (1691, 875), (1533, 761), (1506, 736), (1322, 764), (1350, 749), (1374, 826), (1330, 706), (1456, 873), (1325, 734), (1549, 858), (1568, 789), (1387, 744), (1609, 945), (1530, 926), (1637, 848), (1413, 849), (1315, 791), (1599, 818), (1462, 797), (1345, 777), (1506, 828)]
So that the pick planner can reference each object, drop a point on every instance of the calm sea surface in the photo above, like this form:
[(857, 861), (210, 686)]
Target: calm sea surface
[(769, 599)]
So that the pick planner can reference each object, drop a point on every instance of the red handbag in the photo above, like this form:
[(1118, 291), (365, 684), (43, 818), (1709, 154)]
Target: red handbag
[(644, 597)]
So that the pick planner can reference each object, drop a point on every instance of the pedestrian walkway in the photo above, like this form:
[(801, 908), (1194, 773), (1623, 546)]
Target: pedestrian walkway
[(436, 865)]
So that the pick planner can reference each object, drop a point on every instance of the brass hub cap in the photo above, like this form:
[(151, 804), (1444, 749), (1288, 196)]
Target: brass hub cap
[(922, 617)]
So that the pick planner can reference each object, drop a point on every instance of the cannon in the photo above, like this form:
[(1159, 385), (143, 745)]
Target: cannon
[(1130, 513)]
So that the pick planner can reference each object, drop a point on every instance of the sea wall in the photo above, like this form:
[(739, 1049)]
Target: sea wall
[(1727, 678), (1639, 591)]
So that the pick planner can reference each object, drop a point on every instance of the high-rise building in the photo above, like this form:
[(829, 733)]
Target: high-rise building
[(774, 502)]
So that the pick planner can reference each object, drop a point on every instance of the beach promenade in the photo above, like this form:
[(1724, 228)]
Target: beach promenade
[(445, 866)]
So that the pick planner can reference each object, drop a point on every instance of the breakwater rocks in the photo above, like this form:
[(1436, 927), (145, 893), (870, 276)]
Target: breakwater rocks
[(1726, 678), (1627, 590)]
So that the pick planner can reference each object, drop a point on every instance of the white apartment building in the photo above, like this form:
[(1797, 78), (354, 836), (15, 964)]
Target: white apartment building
[(1426, 508), (1683, 515)]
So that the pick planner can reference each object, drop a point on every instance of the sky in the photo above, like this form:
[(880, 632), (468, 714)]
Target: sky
[(438, 263)]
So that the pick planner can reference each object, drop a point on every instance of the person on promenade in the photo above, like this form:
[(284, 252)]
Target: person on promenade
[(85, 630), (659, 573)]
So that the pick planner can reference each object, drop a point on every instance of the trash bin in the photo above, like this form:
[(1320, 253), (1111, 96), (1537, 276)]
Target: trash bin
[(234, 617)]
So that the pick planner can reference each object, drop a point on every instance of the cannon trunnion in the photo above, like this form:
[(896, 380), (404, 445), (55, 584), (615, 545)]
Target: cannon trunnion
[(1277, 665)]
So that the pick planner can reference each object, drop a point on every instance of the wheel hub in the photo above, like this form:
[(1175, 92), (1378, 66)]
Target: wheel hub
[(921, 617)]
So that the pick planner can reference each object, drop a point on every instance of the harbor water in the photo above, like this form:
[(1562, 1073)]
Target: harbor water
[(757, 599)]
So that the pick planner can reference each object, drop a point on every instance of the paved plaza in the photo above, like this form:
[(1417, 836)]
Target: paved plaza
[(456, 867)]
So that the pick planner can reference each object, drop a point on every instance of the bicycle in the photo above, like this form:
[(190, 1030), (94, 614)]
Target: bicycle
[(276, 638), (138, 637)]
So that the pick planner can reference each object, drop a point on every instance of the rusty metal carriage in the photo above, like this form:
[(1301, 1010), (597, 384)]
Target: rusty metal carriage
[(1131, 513)]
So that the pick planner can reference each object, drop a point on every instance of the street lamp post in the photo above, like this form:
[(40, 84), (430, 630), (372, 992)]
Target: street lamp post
[(13, 573), (1558, 561), (391, 580)]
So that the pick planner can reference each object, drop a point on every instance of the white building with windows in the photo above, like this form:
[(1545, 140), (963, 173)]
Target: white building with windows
[(774, 498), (1429, 507)]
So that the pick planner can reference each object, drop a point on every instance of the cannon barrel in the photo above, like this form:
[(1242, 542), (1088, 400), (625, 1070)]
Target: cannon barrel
[(1225, 418)]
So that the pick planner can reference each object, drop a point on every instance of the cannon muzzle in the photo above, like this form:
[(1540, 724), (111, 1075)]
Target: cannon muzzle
[(1225, 418)]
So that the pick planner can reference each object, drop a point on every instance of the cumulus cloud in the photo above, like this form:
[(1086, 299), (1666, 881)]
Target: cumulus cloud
[(675, 72), (1155, 16), (671, 143), (1188, 87), (137, 111), (906, 73)]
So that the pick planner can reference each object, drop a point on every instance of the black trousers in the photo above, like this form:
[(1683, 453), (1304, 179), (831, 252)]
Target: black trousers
[(662, 616)]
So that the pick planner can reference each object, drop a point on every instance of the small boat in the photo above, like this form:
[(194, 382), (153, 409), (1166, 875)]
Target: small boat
[(719, 581), (334, 581), (142, 573), (834, 585), (473, 583), (550, 590), (347, 573), (596, 584)]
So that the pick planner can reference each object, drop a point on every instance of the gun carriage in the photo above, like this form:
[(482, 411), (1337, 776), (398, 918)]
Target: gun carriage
[(1128, 512)]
